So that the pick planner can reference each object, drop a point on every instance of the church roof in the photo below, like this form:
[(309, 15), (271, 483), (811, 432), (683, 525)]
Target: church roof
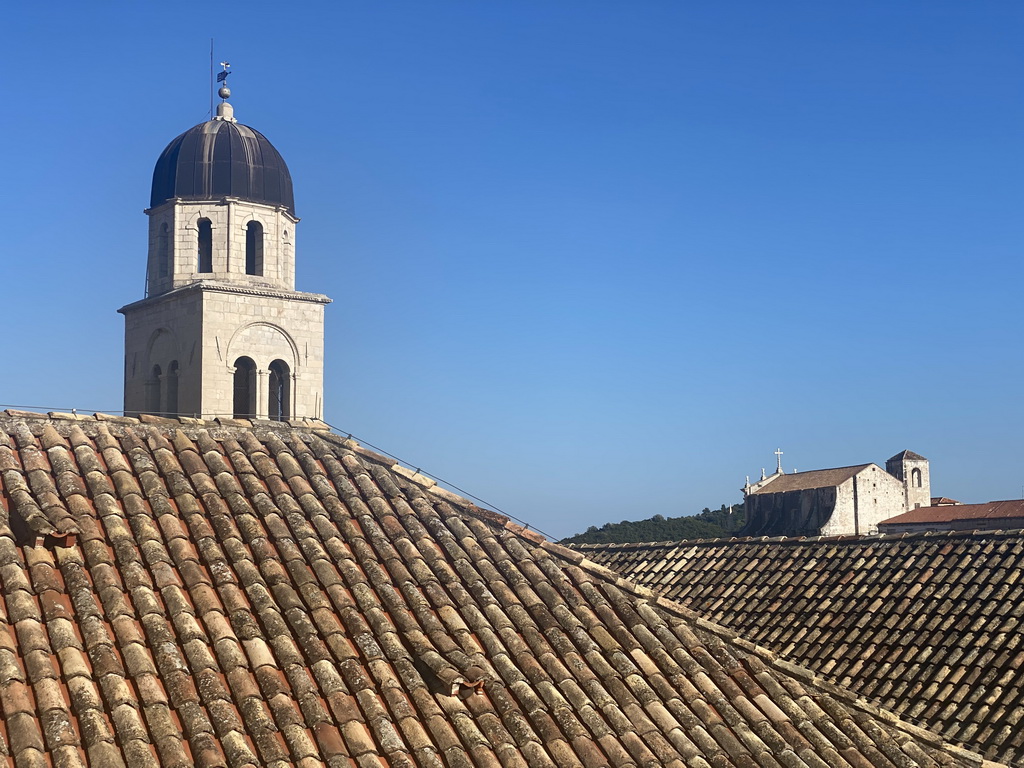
[(235, 594), (929, 626), (817, 478), (222, 158)]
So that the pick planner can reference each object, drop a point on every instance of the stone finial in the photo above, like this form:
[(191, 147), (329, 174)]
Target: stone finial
[(225, 111)]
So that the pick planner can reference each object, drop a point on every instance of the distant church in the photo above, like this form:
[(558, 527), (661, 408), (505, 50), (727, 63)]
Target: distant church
[(222, 330), (836, 502)]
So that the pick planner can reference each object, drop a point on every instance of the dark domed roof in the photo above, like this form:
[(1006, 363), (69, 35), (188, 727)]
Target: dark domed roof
[(222, 158)]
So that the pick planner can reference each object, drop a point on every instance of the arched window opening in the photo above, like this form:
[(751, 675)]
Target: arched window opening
[(279, 403), (153, 390), (254, 248), (245, 388), (163, 251), (172, 389), (205, 246), (915, 476)]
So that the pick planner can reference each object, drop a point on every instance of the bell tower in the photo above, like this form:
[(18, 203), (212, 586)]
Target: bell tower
[(912, 469), (222, 330)]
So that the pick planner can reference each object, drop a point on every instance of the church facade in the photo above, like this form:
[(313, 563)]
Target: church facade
[(222, 330), (836, 502)]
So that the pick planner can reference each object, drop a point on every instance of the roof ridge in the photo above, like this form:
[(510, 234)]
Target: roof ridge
[(12, 414), (312, 426), (832, 469), (846, 539)]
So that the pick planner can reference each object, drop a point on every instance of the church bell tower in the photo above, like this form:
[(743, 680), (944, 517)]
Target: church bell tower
[(222, 330)]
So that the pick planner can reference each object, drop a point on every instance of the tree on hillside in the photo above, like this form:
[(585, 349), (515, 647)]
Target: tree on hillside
[(709, 524)]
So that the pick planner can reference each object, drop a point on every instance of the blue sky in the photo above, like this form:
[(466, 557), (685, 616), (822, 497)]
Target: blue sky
[(591, 261)]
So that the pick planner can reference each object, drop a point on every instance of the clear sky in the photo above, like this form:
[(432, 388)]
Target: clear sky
[(591, 261)]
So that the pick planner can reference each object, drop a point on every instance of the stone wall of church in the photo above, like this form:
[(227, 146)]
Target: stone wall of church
[(263, 328), (864, 500), (793, 513)]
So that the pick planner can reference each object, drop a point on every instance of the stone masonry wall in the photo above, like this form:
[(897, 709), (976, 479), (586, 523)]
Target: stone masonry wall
[(264, 328), (878, 496), (159, 333), (228, 219)]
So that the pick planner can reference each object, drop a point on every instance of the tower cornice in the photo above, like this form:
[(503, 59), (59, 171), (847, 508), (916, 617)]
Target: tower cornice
[(218, 287), (283, 209)]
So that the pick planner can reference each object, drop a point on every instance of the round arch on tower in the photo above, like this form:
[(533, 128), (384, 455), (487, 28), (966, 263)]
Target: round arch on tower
[(264, 342)]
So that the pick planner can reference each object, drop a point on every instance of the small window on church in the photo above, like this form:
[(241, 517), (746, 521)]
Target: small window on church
[(153, 390), (254, 248), (245, 388), (915, 477), (171, 385), (163, 251), (280, 391), (205, 254)]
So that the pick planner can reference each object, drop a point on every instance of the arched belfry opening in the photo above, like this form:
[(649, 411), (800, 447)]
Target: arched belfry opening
[(278, 406), (244, 404), (204, 254), (254, 248), (221, 283)]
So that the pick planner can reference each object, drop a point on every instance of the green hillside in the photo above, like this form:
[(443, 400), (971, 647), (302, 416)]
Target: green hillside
[(709, 524)]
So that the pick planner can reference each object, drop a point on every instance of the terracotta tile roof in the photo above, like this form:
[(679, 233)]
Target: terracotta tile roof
[(817, 478), (991, 514), (219, 595), (929, 625)]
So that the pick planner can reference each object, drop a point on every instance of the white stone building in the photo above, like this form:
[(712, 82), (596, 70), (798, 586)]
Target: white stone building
[(222, 330), (836, 502)]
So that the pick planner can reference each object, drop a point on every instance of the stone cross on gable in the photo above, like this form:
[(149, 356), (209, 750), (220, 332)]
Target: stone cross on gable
[(778, 456)]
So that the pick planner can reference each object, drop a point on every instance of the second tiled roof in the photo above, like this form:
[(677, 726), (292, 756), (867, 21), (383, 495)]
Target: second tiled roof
[(930, 626)]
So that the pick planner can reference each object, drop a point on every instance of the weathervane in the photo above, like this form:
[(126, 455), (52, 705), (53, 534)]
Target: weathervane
[(222, 77)]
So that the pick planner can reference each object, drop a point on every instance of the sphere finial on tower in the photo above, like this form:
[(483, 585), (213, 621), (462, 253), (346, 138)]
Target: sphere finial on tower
[(222, 77)]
